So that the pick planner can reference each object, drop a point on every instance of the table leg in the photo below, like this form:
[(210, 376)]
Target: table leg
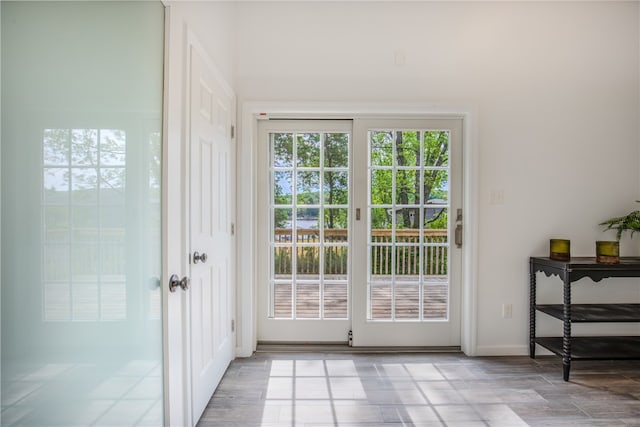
[(566, 336), (532, 311)]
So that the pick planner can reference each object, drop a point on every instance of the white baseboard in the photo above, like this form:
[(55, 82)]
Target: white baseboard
[(502, 350)]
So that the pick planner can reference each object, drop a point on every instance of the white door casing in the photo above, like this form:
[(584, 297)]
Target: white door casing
[(254, 112), (211, 207)]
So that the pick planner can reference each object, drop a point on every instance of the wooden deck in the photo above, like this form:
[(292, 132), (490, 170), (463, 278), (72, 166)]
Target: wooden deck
[(335, 296)]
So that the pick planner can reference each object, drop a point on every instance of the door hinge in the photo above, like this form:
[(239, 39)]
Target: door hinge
[(233, 325), (233, 229), (233, 131)]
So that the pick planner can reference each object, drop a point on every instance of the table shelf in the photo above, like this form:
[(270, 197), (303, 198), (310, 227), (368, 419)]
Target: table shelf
[(595, 348), (595, 313)]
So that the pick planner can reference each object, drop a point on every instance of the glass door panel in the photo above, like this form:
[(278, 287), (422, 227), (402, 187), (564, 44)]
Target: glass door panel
[(407, 283), (308, 165), (408, 206), (81, 246)]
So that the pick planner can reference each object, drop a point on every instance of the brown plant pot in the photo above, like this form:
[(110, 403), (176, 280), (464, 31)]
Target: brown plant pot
[(608, 252), (560, 249)]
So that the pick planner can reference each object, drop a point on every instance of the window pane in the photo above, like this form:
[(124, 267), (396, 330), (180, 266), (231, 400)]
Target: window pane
[(381, 219), (407, 302), (435, 300), (336, 262), (335, 301), (434, 261), (408, 263), (282, 300), (408, 148), (336, 150), (381, 187), (282, 149), (308, 188), (307, 300), (381, 302), (282, 225), (308, 225), (381, 143), (436, 186), (282, 262), (436, 218), (336, 225), (308, 150), (336, 188), (381, 262), (407, 187), (308, 263), (436, 148), (282, 188)]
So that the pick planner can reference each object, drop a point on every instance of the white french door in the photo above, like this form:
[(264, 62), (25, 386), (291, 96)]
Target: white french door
[(356, 226), (406, 265), (304, 216)]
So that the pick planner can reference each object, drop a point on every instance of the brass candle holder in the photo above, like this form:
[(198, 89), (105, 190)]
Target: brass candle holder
[(560, 249), (608, 252)]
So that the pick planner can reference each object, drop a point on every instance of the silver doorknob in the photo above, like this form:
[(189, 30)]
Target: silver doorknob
[(202, 257), (177, 282)]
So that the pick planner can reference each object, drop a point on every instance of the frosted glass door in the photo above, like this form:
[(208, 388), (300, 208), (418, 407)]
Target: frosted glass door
[(81, 247)]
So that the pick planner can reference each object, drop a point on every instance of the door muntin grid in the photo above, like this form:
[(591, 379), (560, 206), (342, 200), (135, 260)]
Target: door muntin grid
[(408, 225), (309, 217)]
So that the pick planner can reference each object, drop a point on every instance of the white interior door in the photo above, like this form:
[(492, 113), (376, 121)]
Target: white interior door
[(304, 217), (406, 265), (212, 160)]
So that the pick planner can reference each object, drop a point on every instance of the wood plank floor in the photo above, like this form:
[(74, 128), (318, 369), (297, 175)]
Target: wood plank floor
[(441, 389)]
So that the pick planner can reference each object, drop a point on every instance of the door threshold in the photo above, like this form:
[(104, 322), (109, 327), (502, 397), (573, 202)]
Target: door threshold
[(296, 347)]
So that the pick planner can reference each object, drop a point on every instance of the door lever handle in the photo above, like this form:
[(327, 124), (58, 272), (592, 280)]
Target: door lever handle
[(176, 282)]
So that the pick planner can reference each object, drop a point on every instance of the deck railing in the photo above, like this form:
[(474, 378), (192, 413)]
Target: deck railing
[(407, 252)]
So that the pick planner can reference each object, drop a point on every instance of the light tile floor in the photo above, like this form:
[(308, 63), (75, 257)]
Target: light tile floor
[(429, 389)]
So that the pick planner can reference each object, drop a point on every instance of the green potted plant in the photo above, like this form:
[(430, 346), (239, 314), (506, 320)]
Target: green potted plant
[(608, 252)]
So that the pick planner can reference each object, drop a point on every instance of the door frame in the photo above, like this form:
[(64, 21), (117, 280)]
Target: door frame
[(247, 244)]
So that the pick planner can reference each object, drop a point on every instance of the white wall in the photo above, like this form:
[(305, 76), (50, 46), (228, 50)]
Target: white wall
[(555, 87)]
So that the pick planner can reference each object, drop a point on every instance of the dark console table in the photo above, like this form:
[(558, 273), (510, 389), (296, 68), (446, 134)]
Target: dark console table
[(573, 348)]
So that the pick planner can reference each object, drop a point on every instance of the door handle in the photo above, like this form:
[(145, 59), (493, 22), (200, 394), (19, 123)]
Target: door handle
[(458, 235), (202, 257), (176, 282)]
